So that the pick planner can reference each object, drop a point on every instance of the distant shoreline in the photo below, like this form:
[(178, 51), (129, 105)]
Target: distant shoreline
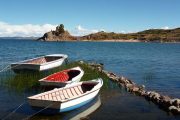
[(115, 40), (120, 40)]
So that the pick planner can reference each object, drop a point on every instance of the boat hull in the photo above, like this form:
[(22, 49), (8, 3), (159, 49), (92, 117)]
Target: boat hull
[(17, 68), (76, 103)]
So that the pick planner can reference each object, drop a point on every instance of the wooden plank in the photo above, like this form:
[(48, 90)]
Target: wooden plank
[(46, 97), (50, 96), (43, 97), (69, 93), (73, 92), (57, 93), (54, 98), (53, 94), (58, 98), (77, 90), (62, 95), (39, 98), (65, 94), (80, 89)]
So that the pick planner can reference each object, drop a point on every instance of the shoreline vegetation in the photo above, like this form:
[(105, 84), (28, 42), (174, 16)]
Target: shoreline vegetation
[(151, 35)]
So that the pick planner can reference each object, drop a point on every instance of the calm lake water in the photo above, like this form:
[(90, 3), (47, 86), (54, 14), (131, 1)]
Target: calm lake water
[(156, 65)]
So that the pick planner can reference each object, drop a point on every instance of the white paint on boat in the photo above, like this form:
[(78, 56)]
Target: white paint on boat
[(40, 64), (64, 99)]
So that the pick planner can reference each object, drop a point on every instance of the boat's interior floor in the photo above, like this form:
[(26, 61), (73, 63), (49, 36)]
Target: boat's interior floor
[(66, 93), (63, 76), (43, 60)]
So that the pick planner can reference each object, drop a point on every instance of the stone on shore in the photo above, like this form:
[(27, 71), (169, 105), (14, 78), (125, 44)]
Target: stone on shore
[(174, 110), (165, 102)]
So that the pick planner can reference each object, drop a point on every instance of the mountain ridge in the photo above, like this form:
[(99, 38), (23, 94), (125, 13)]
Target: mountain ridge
[(151, 35)]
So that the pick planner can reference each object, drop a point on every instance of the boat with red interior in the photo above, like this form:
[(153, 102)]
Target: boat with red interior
[(63, 78)]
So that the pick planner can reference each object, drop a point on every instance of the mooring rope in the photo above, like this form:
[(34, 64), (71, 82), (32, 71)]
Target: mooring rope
[(13, 111), (5, 68), (37, 112), (8, 67)]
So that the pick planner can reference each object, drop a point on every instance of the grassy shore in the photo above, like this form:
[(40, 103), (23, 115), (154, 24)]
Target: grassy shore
[(29, 81)]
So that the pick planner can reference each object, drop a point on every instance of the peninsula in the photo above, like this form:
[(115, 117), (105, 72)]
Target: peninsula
[(151, 35)]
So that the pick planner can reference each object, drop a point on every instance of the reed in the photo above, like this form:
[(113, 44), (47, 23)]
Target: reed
[(28, 82)]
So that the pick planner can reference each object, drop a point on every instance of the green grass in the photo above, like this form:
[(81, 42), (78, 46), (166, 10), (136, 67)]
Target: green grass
[(28, 82)]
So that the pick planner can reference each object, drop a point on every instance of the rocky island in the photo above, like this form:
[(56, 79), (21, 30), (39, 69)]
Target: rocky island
[(151, 35), (58, 35)]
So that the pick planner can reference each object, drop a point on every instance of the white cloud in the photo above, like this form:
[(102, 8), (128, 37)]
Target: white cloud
[(123, 31), (32, 30), (24, 30), (35, 30), (165, 28), (79, 31)]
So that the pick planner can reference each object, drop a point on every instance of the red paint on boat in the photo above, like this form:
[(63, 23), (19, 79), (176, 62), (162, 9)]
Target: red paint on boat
[(59, 77)]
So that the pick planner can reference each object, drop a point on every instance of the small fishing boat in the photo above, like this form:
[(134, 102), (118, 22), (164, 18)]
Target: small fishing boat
[(67, 98), (40, 63), (63, 78)]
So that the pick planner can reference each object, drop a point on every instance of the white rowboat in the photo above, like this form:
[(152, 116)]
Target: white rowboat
[(63, 78), (40, 63), (67, 98)]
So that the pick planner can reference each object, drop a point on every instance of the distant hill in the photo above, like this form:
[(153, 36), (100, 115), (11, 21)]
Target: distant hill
[(152, 35)]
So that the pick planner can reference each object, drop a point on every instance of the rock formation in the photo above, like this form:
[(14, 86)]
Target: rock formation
[(58, 35)]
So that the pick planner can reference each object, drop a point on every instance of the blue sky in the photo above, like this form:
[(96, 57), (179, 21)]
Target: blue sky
[(85, 16)]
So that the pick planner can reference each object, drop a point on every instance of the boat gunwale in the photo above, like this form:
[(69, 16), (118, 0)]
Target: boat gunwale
[(69, 81), (64, 56), (68, 99), (100, 84)]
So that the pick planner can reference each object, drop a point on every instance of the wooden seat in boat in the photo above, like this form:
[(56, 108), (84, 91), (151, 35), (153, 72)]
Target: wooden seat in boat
[(43, 60), (67, 93), (38, 61)]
